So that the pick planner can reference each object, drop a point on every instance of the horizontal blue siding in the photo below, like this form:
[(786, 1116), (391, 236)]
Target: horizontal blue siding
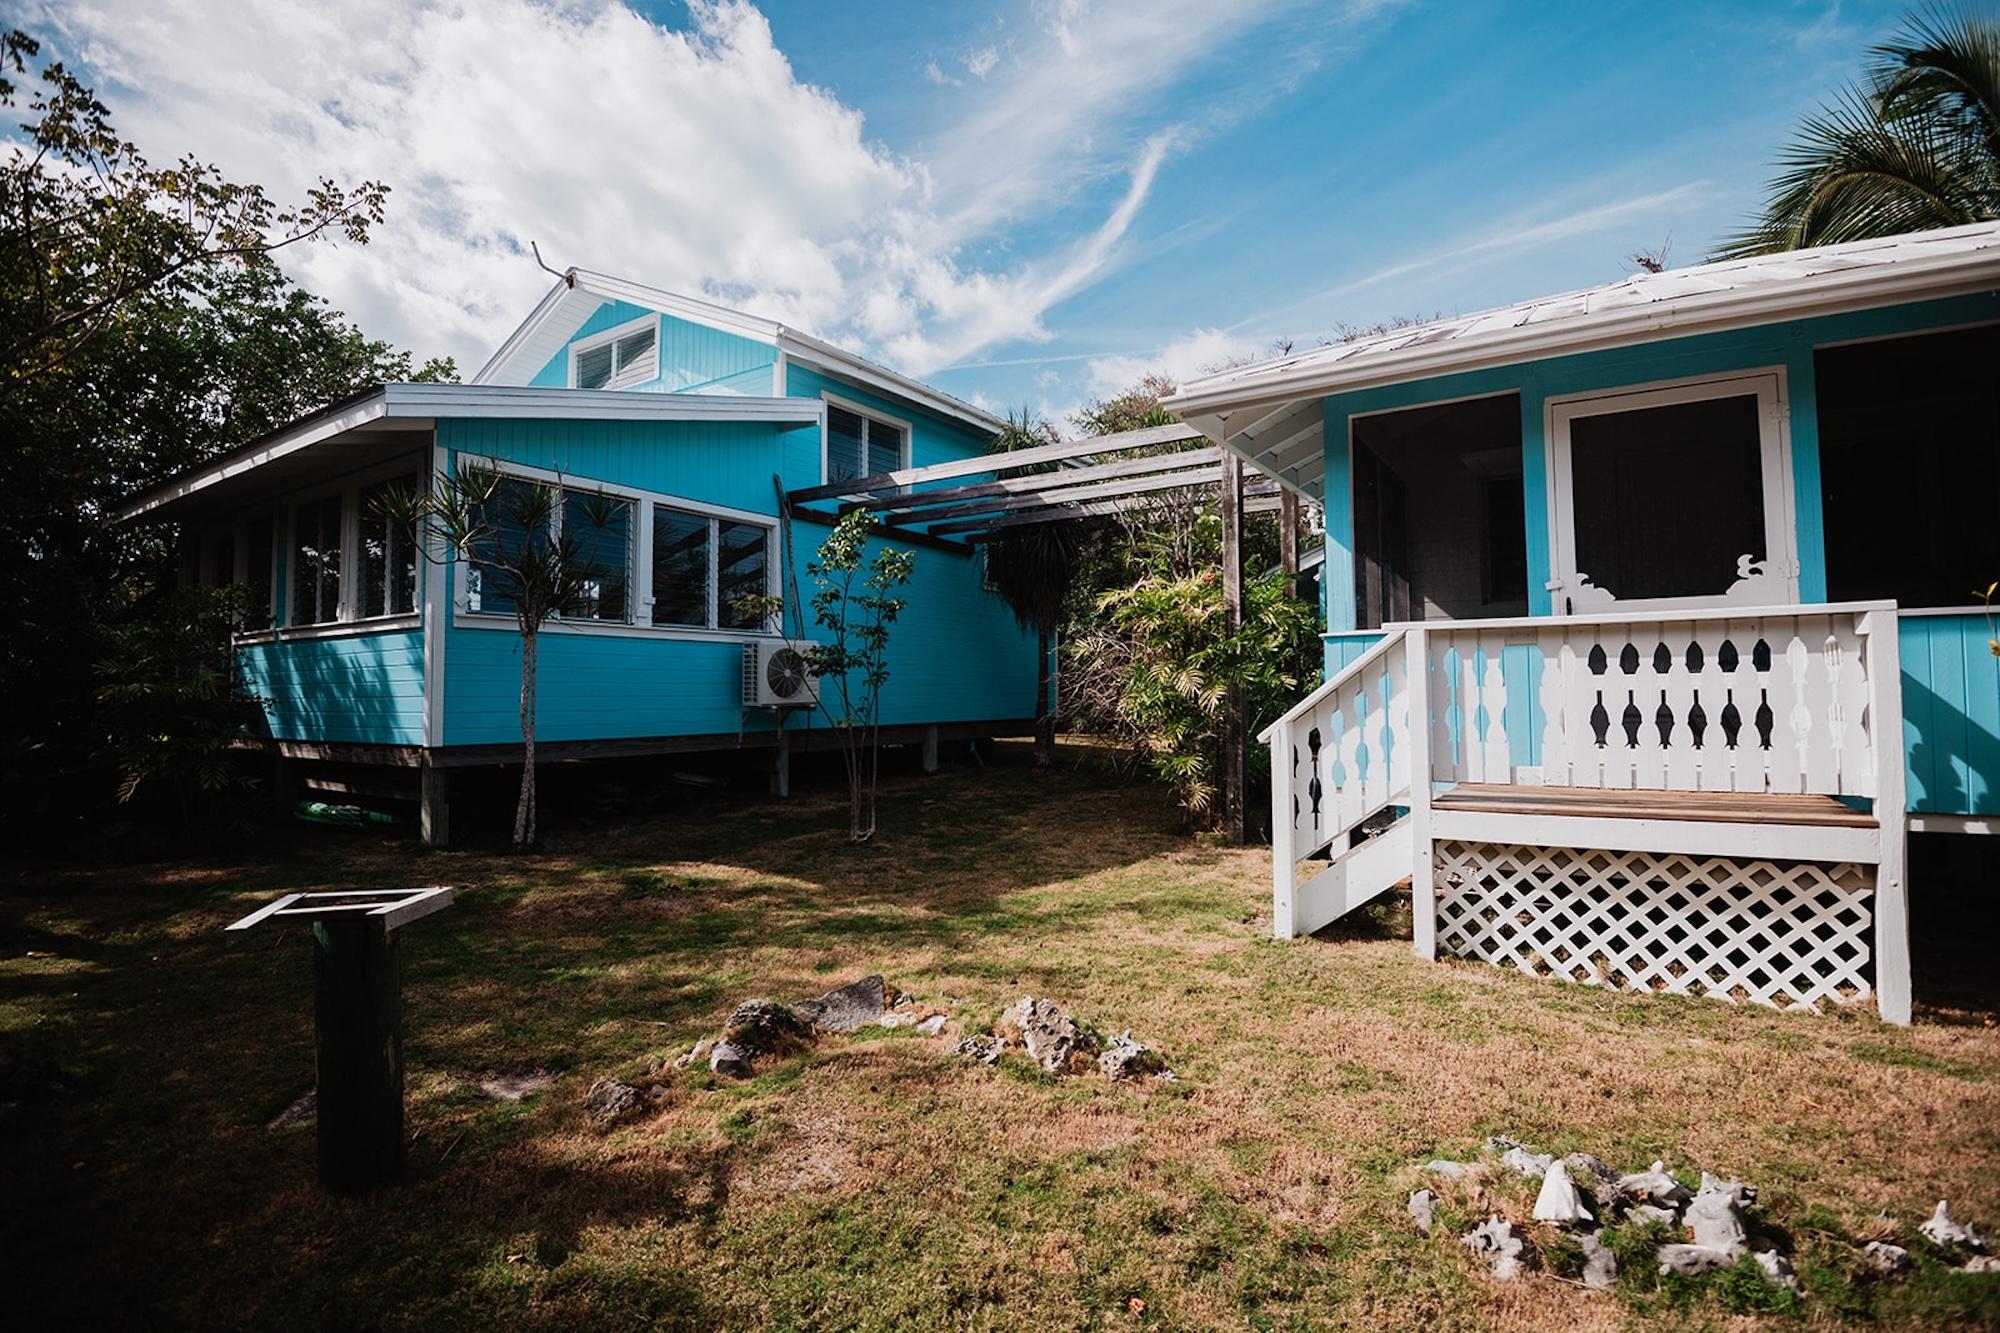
[(690, 354), (1951, 714), (364, 689), (955, 655), (932, 440)]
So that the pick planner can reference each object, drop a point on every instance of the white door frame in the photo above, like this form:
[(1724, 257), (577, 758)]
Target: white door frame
[(1776, 583)]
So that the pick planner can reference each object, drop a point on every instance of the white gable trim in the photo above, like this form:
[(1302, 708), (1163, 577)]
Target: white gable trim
[(579, 294)]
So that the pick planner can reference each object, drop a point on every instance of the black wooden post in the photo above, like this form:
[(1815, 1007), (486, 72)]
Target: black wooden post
[(358, 1010), (357, 1023)]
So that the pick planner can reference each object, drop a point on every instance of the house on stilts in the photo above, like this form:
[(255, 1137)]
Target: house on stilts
[(385, 672), (1654, 621)]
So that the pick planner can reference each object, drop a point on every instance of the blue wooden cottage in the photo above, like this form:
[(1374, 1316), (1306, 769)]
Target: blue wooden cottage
[(1653, 616), (382, 667)]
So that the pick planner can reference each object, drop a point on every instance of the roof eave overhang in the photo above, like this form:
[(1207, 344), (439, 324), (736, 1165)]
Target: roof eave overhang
[(804, 347), (420, 406), (1683, 317)]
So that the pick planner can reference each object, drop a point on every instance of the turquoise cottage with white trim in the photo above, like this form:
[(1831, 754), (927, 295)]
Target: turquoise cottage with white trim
[(382, 668), (1653, 615)]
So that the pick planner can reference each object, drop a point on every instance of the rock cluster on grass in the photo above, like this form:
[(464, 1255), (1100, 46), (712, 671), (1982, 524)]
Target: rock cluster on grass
[(1052, 1038), (1581, 1195), (761, 1028)]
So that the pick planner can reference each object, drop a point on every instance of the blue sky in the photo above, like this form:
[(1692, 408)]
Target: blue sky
[(1029, 203)]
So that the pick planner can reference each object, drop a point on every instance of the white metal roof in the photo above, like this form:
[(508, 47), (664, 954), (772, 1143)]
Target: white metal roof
[(1268, 411), (1643, 307), (580, 292)]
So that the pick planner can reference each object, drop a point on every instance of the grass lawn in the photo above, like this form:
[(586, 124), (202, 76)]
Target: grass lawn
[(878, 1181)]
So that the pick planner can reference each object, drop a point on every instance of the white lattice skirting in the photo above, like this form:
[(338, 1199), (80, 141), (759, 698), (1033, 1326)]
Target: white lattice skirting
[(1780, 933)]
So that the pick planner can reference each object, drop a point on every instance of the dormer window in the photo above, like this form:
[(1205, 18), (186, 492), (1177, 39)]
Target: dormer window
[(624, 356)]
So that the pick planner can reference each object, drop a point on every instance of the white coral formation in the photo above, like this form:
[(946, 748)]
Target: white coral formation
[(1559, 1202), (1948, 1233)]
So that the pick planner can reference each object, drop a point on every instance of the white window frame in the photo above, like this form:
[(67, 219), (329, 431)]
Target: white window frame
[(621, 378), (639, 561), (1781, 564), (414, 478), (284, 526), (867, 414)]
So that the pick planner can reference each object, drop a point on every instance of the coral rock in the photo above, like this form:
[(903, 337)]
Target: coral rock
[(1882, 1257), (1948, 1233), (1509, 1252), (1600, 1265), (1559, 1201), (1423, 1210)]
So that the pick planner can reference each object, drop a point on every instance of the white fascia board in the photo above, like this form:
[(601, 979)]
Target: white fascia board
[(803, 347), (1959, 274), (493, 400), (705, 313), (310, 431), (419, 406), (560, 297)]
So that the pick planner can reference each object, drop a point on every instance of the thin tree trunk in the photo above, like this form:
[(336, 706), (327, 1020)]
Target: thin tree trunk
[(524, 810), (1045, 720)]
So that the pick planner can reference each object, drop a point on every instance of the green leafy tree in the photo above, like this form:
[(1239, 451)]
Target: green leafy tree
[(1916, 146), (855, 601), (1156, 668), (145, 329), (1035, 569), (531, 546)]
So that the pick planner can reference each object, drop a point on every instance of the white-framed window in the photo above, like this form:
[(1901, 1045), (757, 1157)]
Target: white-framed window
[(860, 442), (704, 567), (388, 554), (664, 563), (617, 358), (319, 537), (600, 527)]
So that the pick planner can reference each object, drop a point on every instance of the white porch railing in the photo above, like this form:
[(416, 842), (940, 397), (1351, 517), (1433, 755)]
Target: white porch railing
[(1796, 700)]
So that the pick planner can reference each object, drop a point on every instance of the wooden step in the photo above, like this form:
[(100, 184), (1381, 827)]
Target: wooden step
[(1711, 807)]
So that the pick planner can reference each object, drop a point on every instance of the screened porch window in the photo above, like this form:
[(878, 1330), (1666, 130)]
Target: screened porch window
[(316, 551), (257, 574), (1909, 446), (388, 557), (618, 360), (858, 445)]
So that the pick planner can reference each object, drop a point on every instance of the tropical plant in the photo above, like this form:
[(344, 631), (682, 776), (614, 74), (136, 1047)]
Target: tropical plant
[(1157, 666), (855, 602), (1916, 146), (531, 547), (1033, 569)]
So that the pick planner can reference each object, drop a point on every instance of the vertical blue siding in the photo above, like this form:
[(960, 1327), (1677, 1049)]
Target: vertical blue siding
[(1951, 714), (362, 689)]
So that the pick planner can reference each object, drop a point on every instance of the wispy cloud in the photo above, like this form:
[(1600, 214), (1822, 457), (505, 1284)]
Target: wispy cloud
[(1509, 238)]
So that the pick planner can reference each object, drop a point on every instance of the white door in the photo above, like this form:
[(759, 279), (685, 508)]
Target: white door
[(1673, 498)]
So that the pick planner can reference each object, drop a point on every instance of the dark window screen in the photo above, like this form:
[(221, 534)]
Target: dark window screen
[(1668, 499), (1909, 443)]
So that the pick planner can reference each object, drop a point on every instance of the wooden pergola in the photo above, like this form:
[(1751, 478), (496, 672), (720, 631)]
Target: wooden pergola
[(965, 502)]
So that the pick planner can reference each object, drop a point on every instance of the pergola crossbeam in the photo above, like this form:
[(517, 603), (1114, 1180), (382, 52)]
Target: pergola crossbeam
[(1043, 481), (1059, 452)]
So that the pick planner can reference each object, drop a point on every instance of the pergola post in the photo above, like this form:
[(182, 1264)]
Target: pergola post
[(1236, 823), (1288, 539)]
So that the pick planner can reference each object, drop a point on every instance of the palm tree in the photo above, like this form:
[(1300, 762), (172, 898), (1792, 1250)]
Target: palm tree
[(1033, 568), (1918, 147)]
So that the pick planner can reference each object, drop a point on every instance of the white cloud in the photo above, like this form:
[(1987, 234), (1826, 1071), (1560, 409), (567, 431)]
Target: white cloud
[(1187, 356), (694, 160), (935, 73)]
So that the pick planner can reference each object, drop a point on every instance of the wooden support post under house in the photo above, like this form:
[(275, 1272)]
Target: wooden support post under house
[(781, 762), (434, 809), (1236, 821), (931, 748), (1288, 539)]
